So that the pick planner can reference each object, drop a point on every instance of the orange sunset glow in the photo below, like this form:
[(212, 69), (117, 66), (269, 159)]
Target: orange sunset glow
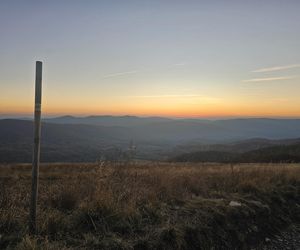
[(175, 66), (170, 106)]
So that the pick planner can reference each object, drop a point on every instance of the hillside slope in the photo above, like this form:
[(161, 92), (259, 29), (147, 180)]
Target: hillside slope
[(280, 153)]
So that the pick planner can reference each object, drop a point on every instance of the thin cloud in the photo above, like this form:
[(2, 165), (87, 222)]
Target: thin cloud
[(179, 64), (164, 96), (269, 79), (120, 74), (201, 97), (280, 100), (277, 68), (117, 74)]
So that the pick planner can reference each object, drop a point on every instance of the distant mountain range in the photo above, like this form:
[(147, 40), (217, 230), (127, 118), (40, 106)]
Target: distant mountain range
[(179, 130), (107, 120), (69, 138)]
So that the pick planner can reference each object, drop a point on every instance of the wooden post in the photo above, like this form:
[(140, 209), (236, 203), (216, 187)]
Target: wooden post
[(36, 147)]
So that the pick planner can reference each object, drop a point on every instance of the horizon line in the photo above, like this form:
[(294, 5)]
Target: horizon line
[(216, 117)]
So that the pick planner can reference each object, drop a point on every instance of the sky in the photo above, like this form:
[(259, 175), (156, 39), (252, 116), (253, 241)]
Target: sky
[(214, 58)]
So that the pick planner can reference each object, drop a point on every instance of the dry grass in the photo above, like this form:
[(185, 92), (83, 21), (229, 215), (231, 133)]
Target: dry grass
[(148, 205)]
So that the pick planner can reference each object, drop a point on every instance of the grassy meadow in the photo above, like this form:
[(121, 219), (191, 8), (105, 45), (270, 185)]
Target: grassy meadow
[(148, 205)]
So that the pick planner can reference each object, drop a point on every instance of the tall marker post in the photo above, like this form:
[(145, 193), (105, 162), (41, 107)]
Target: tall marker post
[(36, 147)]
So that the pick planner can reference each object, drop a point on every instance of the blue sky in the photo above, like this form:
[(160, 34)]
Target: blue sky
[(172, 58)]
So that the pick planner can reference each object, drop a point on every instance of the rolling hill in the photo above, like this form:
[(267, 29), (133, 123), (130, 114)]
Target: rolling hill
[(85, 138), (274, 154)]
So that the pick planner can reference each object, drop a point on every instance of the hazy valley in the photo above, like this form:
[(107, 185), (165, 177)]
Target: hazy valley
[(73, 139)]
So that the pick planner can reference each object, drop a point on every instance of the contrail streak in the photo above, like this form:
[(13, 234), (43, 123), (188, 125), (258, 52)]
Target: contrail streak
[(277, 68), (268, 79)]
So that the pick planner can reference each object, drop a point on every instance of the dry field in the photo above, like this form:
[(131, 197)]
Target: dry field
[(148, 205)]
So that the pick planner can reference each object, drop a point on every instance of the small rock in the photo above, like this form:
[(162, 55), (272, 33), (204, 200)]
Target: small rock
[(267, 240), (235, 204)]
